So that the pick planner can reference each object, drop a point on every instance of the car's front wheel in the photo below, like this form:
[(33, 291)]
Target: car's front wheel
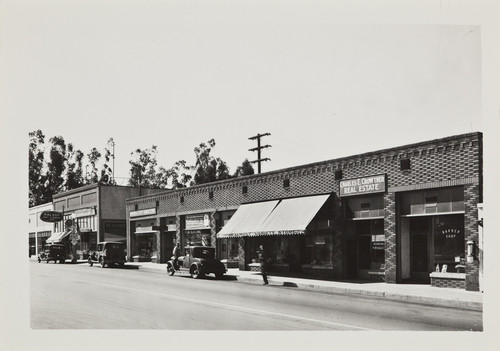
[(195, 272), (103, 264), (170, 269), (219, 276)]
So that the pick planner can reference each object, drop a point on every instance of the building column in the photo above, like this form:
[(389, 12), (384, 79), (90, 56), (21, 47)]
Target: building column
[(241, 254), (178, 229), (471, 199), (390, 230), (213, 229)]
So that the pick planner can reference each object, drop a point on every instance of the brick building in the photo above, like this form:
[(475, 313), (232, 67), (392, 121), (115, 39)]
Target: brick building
[(404, 214)]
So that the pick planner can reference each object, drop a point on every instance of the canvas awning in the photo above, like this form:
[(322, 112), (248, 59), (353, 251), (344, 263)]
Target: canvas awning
[(247, 219), (286, 217), (58, 237), (292, 216)]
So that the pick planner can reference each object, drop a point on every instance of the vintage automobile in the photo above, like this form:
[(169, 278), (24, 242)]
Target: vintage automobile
[(198, 261), (108, 253), (53, 252)]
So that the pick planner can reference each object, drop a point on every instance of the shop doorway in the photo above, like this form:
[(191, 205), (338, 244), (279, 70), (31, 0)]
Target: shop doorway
[(351, 258), (420, 265)]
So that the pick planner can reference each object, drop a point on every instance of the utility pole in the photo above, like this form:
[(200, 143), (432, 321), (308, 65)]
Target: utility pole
[(258, 148), (112, 143)]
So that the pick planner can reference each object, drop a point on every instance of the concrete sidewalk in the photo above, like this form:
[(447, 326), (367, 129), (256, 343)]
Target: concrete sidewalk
[(414, 293)]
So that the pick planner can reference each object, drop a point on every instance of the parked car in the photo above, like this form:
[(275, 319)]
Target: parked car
[(108, 253), (53, 252), (198, 261)]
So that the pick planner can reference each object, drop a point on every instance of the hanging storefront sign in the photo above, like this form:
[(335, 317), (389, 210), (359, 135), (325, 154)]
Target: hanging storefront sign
[(197, 221), (363, 186), (145, 212), (51, 216)]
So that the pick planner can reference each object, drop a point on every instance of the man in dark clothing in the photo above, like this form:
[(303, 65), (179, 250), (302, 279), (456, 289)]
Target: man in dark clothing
[(176, 252), (263, 263)]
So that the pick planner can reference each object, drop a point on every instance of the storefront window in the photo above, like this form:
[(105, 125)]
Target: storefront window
[(145, 245), (319, 248), (449, 247), (197, 237), (229, 249)]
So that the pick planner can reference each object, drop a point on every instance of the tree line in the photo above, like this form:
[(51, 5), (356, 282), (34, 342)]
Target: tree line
[(58, 167)]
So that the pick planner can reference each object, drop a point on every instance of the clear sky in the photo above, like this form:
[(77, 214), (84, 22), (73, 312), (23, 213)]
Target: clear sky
[(175, 75)]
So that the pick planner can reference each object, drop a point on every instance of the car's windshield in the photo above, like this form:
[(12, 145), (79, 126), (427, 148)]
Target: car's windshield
[(204, 252)]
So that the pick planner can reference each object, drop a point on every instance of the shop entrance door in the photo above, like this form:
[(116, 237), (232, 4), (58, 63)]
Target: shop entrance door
[(420, 266), (351, 259)]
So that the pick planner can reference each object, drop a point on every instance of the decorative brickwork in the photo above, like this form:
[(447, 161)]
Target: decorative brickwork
[(178, 229), (448, 283), (241, 254), (213, 229), (471, 193), (390, 238)]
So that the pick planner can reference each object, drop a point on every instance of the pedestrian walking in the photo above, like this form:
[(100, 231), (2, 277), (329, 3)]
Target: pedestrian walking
[(176, 252), (263, 264)]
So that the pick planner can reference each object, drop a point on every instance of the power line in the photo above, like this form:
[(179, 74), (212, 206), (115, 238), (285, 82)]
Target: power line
[(259, 160)]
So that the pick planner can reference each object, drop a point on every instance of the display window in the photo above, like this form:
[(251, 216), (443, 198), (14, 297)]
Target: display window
[(449, 244), (229, 249), (145, 245), (319, 248)]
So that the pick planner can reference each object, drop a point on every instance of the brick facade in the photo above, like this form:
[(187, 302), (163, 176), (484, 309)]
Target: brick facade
[(451, 161)]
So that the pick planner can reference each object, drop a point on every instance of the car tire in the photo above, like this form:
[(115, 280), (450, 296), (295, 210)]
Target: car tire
[(91, 263), (61, 261), (170, 269), (219, 276), (195, 272), (39, 260), (103, 264)]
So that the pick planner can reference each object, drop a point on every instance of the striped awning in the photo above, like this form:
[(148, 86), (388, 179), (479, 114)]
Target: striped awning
[(57, 237), (247, 219), (286, 217)]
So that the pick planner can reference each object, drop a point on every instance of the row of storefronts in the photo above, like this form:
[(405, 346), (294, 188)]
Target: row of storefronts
[(402, 215), (409, 214)]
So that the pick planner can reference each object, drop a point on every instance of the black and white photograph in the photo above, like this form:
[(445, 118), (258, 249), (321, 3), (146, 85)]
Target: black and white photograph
[(249, 174)]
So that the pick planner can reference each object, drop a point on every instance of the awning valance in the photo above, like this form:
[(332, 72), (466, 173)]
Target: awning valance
[(247, 219), (287, 217)]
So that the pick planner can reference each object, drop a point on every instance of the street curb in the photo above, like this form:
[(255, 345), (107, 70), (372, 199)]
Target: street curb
[(423, 300)]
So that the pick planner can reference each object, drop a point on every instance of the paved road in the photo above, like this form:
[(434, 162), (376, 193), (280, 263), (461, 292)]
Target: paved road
[(76, 296)]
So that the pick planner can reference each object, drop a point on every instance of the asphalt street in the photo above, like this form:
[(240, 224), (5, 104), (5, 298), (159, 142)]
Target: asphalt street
[(76, 296)]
